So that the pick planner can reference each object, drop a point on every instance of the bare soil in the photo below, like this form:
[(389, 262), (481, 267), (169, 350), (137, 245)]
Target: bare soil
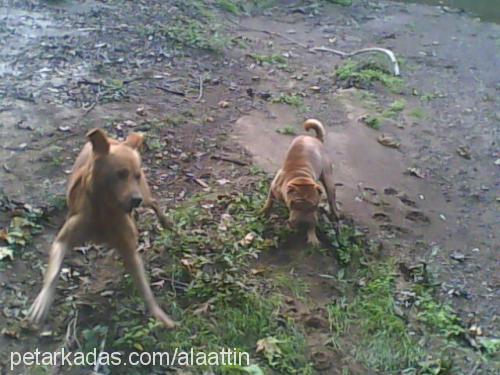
[(67, 67)]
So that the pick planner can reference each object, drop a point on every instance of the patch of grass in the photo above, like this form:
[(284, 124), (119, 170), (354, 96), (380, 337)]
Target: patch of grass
[(190, 32), (298, 287), (341, 2), (395, 108), (229, 6), (438, 316), (20, 232), (268, 59), (238, 7), (428, 97), (364, 75), (373, 122), (221, 304), (347, 246), (56, 201), (287, 130), (382, 340), (294, 100), (153, 143), (417, 113)]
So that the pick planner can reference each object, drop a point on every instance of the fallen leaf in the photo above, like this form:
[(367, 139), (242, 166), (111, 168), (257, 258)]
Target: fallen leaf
[(458, 256), (223, 181), (3, 234), (201, 183), (258, 271), (204, 309), (10, 333), (5, 252), (248, 239), (388, 141), (223, 104), (464, 152), (159, 284), (415, 172), (269, 348), (188, 263), (141, 111), (251, 370)]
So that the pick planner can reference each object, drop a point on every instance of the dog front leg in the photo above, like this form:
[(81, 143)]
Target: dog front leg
[(312, 238), (149, 201), (270, 196), (164, 221), (134, 266), (67, 238), (269, 204)]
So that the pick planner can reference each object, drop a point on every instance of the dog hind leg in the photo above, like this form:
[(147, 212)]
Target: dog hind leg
[(329, 184)]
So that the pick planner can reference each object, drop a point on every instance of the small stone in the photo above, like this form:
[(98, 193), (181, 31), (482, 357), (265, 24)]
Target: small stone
[(458, 256), (223, 104)]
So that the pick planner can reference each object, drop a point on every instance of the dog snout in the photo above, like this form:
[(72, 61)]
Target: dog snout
[(135, 201)]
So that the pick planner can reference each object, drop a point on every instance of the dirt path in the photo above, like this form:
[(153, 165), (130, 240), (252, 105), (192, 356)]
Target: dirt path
[(66, 67)]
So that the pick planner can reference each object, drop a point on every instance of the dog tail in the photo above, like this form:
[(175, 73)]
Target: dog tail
[(317, 126)]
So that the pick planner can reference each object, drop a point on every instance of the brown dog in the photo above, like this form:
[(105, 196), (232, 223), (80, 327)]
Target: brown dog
[(106, 184), (295, 184)]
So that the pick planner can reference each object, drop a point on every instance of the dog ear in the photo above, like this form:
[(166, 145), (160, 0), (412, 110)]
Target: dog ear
[(99, 140), (134, 140), (290, 188)]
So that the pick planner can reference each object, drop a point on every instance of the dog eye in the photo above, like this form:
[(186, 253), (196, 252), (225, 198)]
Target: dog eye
[(122, 174), (137, 176)]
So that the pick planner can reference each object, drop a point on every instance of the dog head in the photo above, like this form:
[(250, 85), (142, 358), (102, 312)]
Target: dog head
[(302, 198), (116, 170)]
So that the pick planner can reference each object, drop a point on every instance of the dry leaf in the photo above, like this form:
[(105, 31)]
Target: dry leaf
[(388, 141), (223, 104), (464, 152)]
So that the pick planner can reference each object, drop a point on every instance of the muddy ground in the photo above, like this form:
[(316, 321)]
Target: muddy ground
[(70, 66)]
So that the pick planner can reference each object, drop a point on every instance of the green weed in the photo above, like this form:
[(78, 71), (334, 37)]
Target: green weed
[(229, 6), (287, 130), (190, 32), (222, 305), (384, 343), (341, 2), (373, 122), (20, 232), (438, 316), (363, 75), (395, 108), (268, 59), (294, 100), (418, 113)]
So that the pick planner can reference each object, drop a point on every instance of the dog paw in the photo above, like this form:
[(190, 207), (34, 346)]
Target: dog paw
[(264, 212), (160, 315), (40, 307), (312, 240)]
